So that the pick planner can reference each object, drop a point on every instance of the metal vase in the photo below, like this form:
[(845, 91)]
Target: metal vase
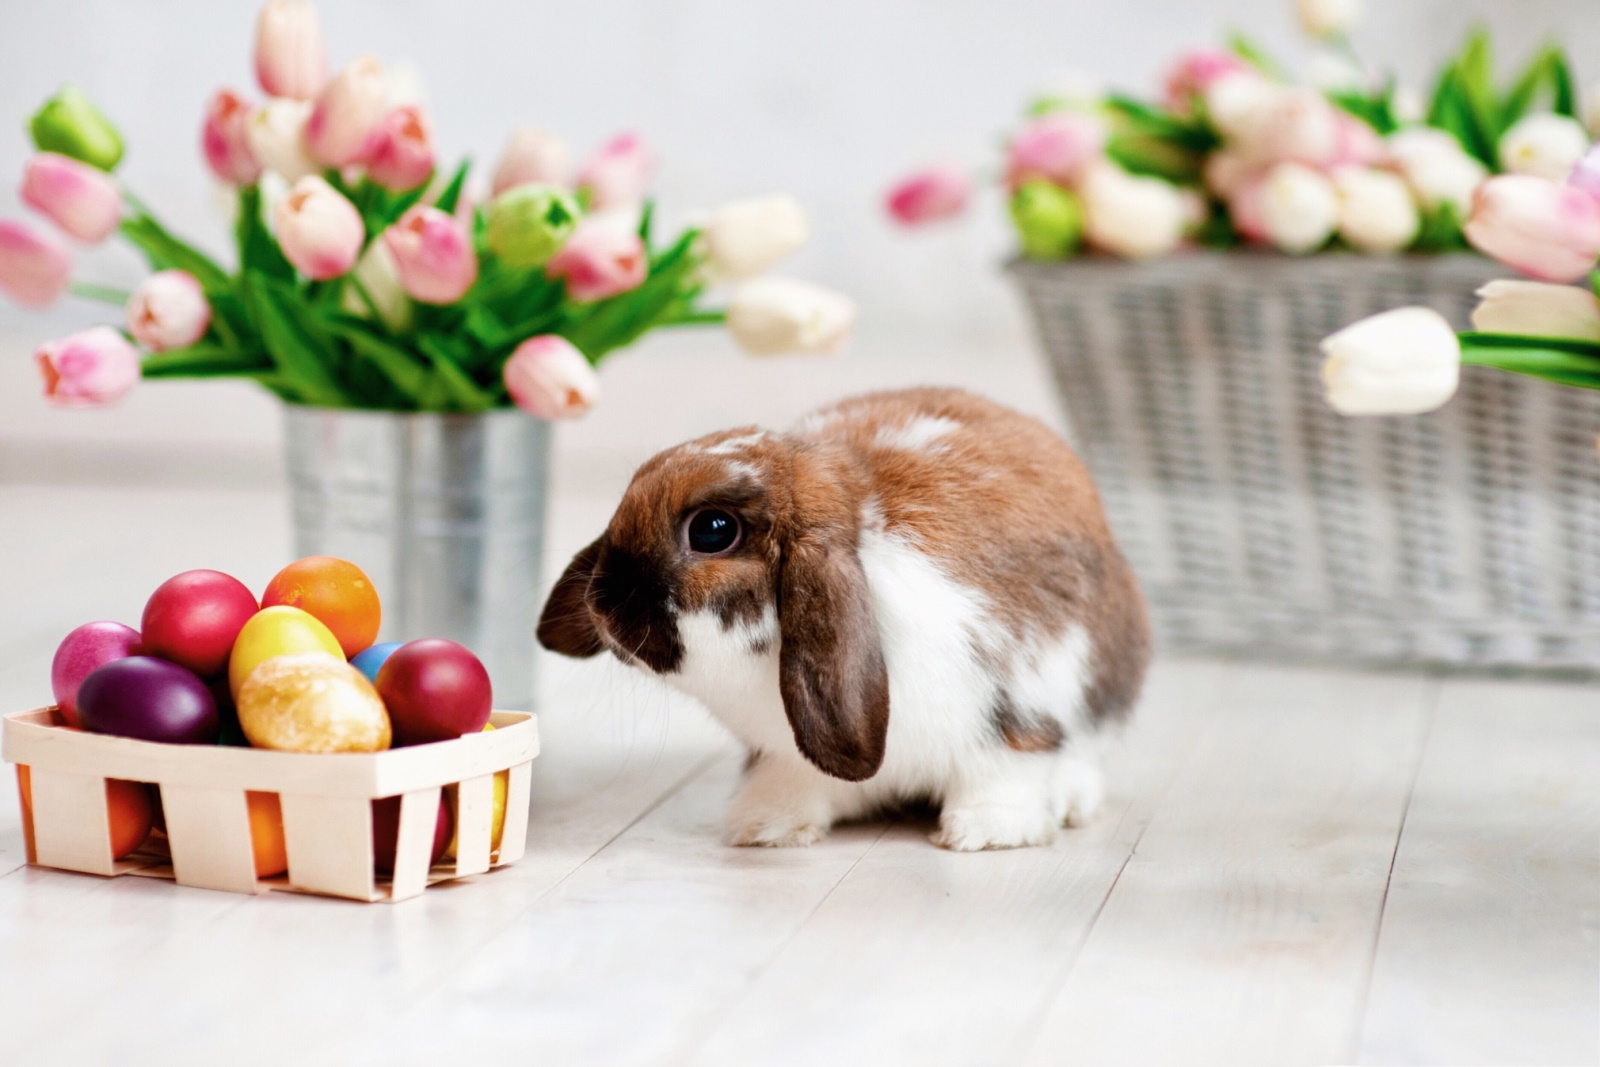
[(445, 513)]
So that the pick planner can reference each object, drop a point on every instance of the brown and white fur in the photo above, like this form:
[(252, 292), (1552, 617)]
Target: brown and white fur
[(925, 603)]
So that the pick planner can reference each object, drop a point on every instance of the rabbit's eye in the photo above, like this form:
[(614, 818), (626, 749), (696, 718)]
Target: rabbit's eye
[(711, 532)]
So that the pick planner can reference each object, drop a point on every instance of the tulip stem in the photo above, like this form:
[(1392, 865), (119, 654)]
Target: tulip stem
[(103, 293), (696, 318)]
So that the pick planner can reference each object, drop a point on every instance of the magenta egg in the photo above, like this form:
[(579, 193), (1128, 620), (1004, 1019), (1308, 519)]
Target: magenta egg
[(149, 699), (193, 618), (434, 690), (90, 646)]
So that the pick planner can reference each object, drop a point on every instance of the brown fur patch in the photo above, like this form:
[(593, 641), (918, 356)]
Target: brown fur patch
[(1025, 733)]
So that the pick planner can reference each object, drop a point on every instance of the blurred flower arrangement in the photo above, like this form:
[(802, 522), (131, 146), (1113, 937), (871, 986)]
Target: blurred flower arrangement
[(1235, 153), (1408, 361), (367, 277)]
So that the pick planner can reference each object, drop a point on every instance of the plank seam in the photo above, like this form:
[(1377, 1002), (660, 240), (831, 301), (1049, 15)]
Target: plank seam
[(1360, 1022)]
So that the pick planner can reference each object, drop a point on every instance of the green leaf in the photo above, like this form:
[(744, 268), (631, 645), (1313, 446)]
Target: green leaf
[(1546, 74), (1248, 51), (403, 369), (452, 193), (298, 347), (464, 394), (166, 252), (258, 252), (1574, 363), (1375, 110), (200, 361), (1477, 341)]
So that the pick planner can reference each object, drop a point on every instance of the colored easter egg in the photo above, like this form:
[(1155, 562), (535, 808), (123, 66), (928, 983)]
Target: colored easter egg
[(312, 702), (434, 690), (497, 825), (130, 811), (370, 661), (386, 832), (277, 631), (335, 591), (192, 619), (92, 645), (150, 699), (266, 834)]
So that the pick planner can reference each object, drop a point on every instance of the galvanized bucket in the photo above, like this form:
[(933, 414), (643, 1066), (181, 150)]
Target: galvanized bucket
[(445, 513)]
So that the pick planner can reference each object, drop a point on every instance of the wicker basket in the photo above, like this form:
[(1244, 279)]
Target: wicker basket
[(1262, 522)]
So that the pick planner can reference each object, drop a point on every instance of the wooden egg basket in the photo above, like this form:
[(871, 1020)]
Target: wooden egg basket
[(326, 801)]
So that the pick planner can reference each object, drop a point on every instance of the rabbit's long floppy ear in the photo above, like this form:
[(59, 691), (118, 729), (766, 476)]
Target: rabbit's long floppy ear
[(567, 625), (831, 672)]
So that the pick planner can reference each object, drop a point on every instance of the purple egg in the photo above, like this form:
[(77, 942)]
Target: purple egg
[(92, 645), (149, 699)]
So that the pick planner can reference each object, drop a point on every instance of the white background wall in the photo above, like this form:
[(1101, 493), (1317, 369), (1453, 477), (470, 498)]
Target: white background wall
[(828, 99)]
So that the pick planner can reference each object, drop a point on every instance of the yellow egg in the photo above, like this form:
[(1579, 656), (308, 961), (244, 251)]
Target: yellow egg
[(502, 788), (312, 702), (277, 631)]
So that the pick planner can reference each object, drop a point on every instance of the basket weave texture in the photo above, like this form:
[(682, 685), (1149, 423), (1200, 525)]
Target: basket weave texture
[(1262, 522)]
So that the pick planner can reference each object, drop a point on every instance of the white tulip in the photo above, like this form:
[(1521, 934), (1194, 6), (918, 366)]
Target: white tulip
[(276, 133), (1591, 110), (1299, 208), (1437, 168), (1131, 216), (1407, 105), (1376, 210), (746, 237), (1329, 18), (1402, 362), (1545, 145), (1537, 309), (380, 280), (773, 316), (1236, 101)]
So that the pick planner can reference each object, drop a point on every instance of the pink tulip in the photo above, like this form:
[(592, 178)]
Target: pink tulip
[(225, 139), (35, 265), (343, 128), (619, 174), (321, 232), (433, 255), (548, 377), (289, 57), (88, 369), (403, 156), (1544, 229), (1057, 148), (935, 193), (83, 200), (531, 157), (1355, 143), (168, 310), (1586, 175), (1197, 69), (599, 260)]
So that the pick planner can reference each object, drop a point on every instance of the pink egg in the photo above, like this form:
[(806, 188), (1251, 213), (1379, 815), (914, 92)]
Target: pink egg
[(91, 645)]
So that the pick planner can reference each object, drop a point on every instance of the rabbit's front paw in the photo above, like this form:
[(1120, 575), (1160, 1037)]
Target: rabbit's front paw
[(975, 827)]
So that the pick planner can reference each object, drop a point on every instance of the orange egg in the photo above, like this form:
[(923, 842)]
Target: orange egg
[(266, 834), (336, 592), (128, 804)]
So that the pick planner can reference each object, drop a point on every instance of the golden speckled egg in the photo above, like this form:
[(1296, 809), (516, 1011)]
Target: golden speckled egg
[(312, 702)]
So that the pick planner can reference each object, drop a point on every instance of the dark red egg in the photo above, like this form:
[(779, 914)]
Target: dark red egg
[(434, 690), (149, 699), (386, 832), (192, 619), (84, 650)]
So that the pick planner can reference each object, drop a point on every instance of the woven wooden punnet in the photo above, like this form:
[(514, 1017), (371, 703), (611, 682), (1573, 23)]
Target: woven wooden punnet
[(326, 801)]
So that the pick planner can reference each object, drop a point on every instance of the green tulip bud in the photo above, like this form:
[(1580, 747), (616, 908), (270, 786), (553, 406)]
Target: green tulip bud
[(71, 125), (1049, 219), (529, 223)]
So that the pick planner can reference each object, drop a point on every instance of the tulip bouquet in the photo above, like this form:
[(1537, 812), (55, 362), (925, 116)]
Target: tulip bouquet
[(368, 277), (1408, 361), (1234, 153)]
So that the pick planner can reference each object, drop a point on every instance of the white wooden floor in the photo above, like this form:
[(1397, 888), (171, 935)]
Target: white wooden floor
[(1295, 866)]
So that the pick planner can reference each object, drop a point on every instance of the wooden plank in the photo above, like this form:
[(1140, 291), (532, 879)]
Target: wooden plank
[(413, 848), (329, 843), (514, 834), (474, 824), (1490, 946), (930, 957), (209, 835), (1241, 931), (71, 821)]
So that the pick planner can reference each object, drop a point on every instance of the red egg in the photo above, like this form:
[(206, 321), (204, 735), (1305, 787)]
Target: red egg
[(386, 832), (434, 690), (192, 619), (92, 645)]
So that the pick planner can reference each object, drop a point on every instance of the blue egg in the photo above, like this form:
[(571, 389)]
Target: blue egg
[(370, 661)]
